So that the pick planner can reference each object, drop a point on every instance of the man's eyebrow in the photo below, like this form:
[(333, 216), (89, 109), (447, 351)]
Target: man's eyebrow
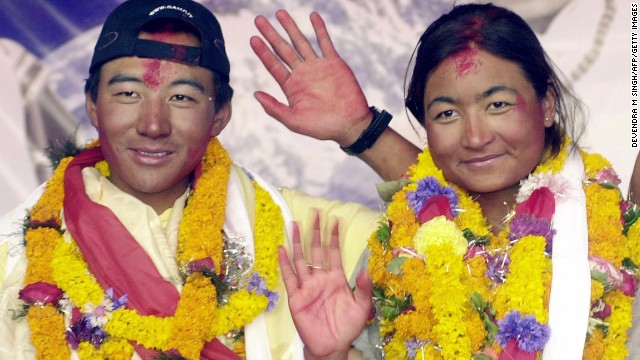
[(120, 78), (123, 78), (189, 82)]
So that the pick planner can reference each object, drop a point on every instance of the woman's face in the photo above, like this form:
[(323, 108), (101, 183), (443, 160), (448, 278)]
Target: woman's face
[(485, 124)]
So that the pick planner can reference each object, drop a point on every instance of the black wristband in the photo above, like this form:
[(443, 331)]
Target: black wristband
[(371, 134)]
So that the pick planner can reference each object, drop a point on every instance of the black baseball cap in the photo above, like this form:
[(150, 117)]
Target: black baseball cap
[(119, 35)]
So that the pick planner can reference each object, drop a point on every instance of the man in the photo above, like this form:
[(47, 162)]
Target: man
[(151, 243)]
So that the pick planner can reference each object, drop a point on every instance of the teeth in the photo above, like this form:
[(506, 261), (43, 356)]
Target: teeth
[(154, 154)]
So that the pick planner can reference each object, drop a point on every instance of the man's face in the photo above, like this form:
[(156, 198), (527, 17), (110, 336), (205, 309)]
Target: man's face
[(154, 120)]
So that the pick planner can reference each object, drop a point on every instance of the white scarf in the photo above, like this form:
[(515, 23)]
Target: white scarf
[(571, 283), (237, 222)]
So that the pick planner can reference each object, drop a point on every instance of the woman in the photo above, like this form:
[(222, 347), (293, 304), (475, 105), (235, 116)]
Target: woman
[(634, 184), (506, 241)]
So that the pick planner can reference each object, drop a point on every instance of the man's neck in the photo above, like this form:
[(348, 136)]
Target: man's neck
[(160, 201)]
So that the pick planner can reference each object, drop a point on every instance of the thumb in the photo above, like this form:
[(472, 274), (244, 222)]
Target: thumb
[(364, 290), (271, 106)]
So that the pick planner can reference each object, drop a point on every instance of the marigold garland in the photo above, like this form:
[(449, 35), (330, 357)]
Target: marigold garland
[(634, 240), (39, 240), (267, 226), (448, 297), (47, 332), (619, 321), (525, 288), (200, 231), (46, 212), (191, 329), (428, 288), (198, 317)]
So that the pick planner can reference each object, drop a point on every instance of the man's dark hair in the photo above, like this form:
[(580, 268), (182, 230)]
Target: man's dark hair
[(222, 90)]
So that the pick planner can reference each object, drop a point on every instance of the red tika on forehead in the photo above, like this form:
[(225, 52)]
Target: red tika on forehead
[(466, 62), (152, 77)]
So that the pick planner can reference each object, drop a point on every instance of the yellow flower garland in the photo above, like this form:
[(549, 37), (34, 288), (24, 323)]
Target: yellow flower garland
[(525, 289), (439, 291), (198, 318)]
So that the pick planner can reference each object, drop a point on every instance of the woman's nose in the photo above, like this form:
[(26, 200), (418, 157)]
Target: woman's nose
[(477, 132)]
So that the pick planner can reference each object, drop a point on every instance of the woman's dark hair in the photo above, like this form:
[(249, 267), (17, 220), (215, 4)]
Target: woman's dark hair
[(223, 91), (501, 33)]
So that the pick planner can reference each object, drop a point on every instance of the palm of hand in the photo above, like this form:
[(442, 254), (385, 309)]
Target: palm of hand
[(326, 313), (324, 98), (324, 92)]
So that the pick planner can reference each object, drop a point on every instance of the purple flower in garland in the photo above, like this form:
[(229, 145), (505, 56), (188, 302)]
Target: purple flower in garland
[(74, 334), (100, 314), (427, 188), (82, 330), (273, 298), (258, 284), (529, 334), (89, 326), (498, 267), (526, 224), (413, 345), (533, 334)]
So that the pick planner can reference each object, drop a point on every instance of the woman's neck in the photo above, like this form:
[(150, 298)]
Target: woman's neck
[(496, 206)]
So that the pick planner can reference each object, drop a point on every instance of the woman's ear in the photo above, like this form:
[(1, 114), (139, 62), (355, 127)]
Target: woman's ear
[(90, 107), (221, 119), (549, 107)]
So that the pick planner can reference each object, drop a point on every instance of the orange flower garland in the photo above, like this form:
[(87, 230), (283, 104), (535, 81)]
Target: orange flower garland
[(414, 294), (198, 317)]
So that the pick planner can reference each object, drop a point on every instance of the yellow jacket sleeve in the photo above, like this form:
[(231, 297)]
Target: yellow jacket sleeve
[(356, 223)]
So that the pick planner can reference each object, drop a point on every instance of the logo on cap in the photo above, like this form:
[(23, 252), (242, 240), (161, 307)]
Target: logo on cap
[(108, 39), (170, 7)]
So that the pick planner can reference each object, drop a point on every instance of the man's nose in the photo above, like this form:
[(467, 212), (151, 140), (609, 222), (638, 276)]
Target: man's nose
[(154, 120)]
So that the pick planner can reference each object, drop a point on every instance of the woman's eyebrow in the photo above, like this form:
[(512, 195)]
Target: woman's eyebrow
[(444, 99), (495, 89)]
